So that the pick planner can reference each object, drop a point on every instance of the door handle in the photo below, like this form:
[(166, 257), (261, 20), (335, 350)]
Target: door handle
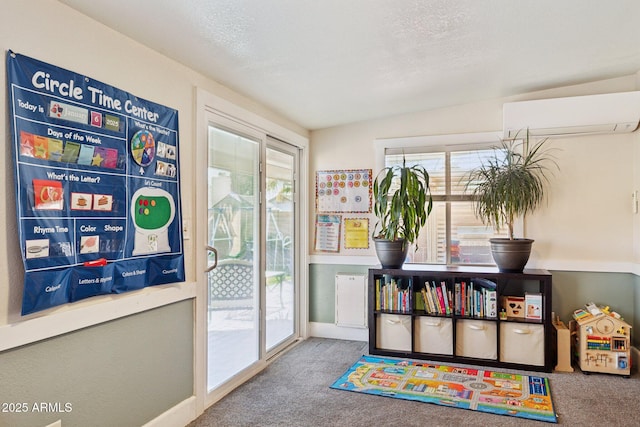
[(215, 259)]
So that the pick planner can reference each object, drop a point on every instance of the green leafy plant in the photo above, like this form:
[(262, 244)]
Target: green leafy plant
[(402, 202), (512, 183)]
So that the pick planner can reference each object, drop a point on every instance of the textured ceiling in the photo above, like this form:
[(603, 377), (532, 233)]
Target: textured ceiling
[(323, 63)]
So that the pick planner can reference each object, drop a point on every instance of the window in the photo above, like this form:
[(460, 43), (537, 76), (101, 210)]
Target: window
[(452, 235)]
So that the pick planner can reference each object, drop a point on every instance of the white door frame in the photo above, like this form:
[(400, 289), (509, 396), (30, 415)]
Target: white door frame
[(283, 147), (213, 109)]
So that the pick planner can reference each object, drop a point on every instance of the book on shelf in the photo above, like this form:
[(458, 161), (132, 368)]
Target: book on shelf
[(491, 304), (423, 298), (441, 308), (426, 292), (438, 298), (394, 294), (533, 306), (456, 298), (463, 298), (477, 298), (428, 298), (447, 300)]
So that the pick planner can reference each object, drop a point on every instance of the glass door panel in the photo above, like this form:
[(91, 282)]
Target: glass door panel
[(233, 230), (280, 237)]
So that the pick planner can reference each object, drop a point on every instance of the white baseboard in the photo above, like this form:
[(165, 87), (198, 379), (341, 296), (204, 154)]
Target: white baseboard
[(330, 330), (178, 416)]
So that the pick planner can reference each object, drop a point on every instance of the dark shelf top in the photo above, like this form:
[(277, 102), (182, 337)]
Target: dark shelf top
[(455, 269)]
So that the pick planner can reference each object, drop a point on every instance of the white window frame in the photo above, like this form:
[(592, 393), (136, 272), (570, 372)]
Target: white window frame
[(435, 143)]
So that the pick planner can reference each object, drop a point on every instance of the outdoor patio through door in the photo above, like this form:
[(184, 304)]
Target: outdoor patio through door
[(233, 219), (250, 235)]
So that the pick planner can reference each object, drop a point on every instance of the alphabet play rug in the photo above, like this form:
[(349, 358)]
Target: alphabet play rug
[(501, 393)]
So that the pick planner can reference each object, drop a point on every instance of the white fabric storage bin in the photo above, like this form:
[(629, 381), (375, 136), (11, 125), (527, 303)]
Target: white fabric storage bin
[(433, 335), (393, 332), (522, 343), (476, 338)]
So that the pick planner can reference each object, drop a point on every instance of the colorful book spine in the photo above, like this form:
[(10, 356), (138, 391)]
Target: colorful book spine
[(445, 296), (427, 294), (432, 300), (441, 300), (423, 293)]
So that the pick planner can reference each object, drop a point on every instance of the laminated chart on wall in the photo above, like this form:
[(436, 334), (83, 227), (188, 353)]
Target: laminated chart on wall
[(343, 191), (356, 233), (327, 238), (97, 186)]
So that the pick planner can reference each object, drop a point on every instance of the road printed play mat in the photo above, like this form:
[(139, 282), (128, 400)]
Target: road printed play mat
[(500, 393)]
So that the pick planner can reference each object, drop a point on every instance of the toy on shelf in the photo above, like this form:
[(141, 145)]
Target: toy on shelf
[(602, 340)]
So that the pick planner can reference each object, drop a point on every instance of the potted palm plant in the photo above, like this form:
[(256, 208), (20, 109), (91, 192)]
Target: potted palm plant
[(402, 204), (508, 185)]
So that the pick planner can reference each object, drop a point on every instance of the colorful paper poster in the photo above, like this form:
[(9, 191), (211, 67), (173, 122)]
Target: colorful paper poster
[(347, 191), (356, 233), (98, 207), (327, 237)]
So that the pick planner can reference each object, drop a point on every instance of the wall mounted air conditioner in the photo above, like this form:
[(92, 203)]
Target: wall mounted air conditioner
[(576, 115)]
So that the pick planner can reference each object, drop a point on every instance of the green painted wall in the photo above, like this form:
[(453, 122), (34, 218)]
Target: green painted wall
[(120, 373), (571, 290)]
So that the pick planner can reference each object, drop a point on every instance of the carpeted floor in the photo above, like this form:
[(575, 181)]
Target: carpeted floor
[(294, 391)]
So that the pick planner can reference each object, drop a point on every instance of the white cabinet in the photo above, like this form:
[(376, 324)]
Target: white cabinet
[(351, 300)]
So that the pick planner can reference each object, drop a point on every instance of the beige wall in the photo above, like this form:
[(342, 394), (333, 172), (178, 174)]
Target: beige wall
[(54, 33), (588, 218), (636, 187), (127, 370), (57, 34)]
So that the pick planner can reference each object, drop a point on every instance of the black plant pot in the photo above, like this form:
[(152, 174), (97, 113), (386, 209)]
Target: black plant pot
[(511, 256), (391, 253)]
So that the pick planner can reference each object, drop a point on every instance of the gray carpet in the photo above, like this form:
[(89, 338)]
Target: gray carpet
[(294, 391)]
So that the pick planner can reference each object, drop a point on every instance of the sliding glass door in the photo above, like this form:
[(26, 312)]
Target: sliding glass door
[(233, 241), (251, 274), (280, 295)]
